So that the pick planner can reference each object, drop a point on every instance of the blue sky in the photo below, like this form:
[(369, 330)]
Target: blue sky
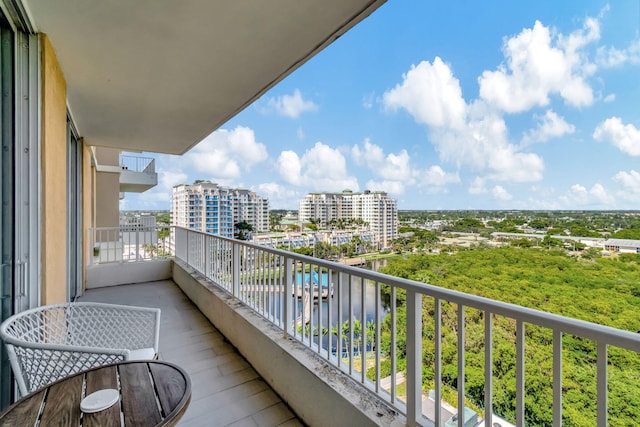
[(450, 105)]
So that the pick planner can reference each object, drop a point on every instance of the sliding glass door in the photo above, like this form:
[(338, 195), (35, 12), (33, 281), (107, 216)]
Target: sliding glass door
[(19, 180), (7, 185)]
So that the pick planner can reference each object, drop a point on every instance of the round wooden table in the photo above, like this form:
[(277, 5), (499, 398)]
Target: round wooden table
[(152, 393)]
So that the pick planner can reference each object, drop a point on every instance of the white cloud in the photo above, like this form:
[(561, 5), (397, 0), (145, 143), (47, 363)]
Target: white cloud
[(396, 166), (368, 100), (289, 167), (435, 176), (629, 180), (369, 155), (320, 168), (431, 94), (540, 63), (472, 135), (291, 105), (610, 57), (625, 137), (391, 187), (397, 172), (280, 197), (599, 193), (550, 125), (610, 98), (478, 186), (393, 169), (542, 197), (226, 154), (169, 178), (498, 192), (392, 166), (578, 195)]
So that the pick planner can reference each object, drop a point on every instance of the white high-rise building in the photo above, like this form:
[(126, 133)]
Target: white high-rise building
[(214, 209), (375, 208)]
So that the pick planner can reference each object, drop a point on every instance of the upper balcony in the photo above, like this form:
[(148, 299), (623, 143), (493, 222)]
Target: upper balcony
[(138, 174), (372, 349), (135, 174)]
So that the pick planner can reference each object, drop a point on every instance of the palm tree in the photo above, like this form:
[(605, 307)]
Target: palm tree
[(346, 336), (371, 334), (244, 230), (151, 249)]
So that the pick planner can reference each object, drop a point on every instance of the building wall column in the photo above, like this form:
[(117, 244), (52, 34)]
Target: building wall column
[(54, 176), (107, 188)]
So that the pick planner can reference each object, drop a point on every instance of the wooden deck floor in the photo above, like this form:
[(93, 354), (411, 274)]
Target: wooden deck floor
[(226, 390)]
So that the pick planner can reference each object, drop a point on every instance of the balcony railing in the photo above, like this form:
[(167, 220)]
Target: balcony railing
[(138, 164), (130, 243), (138, 174), (341, 314)]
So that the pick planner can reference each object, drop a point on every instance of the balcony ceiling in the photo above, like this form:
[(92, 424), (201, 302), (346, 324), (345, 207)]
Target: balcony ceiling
[(160, 75)]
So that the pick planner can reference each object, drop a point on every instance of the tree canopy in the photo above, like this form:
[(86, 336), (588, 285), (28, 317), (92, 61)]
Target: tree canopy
[(600, 290)]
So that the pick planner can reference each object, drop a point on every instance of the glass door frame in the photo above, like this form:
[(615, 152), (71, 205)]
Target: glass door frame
[(74, 209)]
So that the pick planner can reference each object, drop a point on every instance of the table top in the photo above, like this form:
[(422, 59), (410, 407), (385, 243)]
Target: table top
[(152, 393)]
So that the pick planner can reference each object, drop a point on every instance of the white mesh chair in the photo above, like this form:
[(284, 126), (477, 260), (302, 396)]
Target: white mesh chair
[(51, 342)]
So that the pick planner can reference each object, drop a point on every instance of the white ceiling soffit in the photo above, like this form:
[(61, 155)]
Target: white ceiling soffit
[(161, 75)]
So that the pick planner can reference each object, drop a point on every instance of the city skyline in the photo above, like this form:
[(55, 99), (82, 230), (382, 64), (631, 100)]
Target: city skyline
[(454, 106)]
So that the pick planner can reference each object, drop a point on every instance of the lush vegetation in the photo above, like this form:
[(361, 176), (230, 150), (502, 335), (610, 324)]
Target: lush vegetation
[(617, 224), (601, 290)]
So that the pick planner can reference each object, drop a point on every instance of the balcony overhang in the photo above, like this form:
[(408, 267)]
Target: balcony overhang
[(160, 76), (137, 182), (138, 174)]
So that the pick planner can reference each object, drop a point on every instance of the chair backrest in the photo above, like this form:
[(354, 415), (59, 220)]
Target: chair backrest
[(37, 367), (111, 326), (51, 342)]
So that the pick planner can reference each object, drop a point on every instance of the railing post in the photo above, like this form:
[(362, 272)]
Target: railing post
[(557, 378), (520, 341), (92, 239), (602, 384), (236, 270), (437, 368), (206, 256), (414, 357), (187, 246), (488, 368), (461, 365), (287, 297), (137, 244)]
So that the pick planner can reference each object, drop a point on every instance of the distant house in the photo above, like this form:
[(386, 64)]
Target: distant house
[(622, 245), (591, 242)]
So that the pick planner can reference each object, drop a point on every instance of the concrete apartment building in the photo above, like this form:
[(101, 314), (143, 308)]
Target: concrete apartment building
[(376, 208), (208, 207)]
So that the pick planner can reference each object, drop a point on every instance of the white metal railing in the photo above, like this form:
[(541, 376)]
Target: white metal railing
[(138, 164), (130, 243), (346, 328)]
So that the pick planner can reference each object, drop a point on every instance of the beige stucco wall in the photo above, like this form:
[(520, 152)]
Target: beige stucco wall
[(54, 177), (107, 156), (107, 197)]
